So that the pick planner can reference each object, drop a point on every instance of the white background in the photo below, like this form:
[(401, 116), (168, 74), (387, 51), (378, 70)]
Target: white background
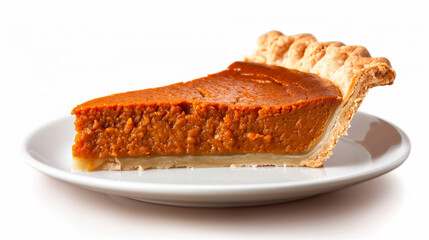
[(57, 54)]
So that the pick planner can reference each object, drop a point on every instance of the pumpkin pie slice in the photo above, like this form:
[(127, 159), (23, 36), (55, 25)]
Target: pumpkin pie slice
[(287, 105)]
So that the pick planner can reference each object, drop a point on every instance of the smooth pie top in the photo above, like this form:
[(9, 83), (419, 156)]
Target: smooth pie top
[(241, 84)]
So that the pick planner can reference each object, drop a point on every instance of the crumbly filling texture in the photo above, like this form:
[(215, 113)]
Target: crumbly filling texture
[(200, 128)]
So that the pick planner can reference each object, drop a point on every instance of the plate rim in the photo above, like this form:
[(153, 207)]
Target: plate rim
[(174, 189)]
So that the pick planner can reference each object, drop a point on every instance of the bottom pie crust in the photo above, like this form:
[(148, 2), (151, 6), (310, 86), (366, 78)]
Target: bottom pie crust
[(190, 161)]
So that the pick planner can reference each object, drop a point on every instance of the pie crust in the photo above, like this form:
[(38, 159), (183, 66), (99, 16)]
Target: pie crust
[(350, 68)]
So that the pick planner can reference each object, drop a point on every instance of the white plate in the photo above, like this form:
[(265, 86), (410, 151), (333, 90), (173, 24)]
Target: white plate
[(372, 148)]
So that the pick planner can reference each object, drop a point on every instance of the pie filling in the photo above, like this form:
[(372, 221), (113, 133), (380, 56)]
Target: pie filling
[(248, 115), (201, 161)]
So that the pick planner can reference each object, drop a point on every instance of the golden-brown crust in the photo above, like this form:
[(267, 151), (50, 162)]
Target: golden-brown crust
[(350, 68)]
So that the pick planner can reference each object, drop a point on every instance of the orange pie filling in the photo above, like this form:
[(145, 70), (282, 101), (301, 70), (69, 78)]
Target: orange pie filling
[(249, 114)]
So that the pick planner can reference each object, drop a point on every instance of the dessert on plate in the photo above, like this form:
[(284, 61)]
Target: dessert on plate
[(287, 105)]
